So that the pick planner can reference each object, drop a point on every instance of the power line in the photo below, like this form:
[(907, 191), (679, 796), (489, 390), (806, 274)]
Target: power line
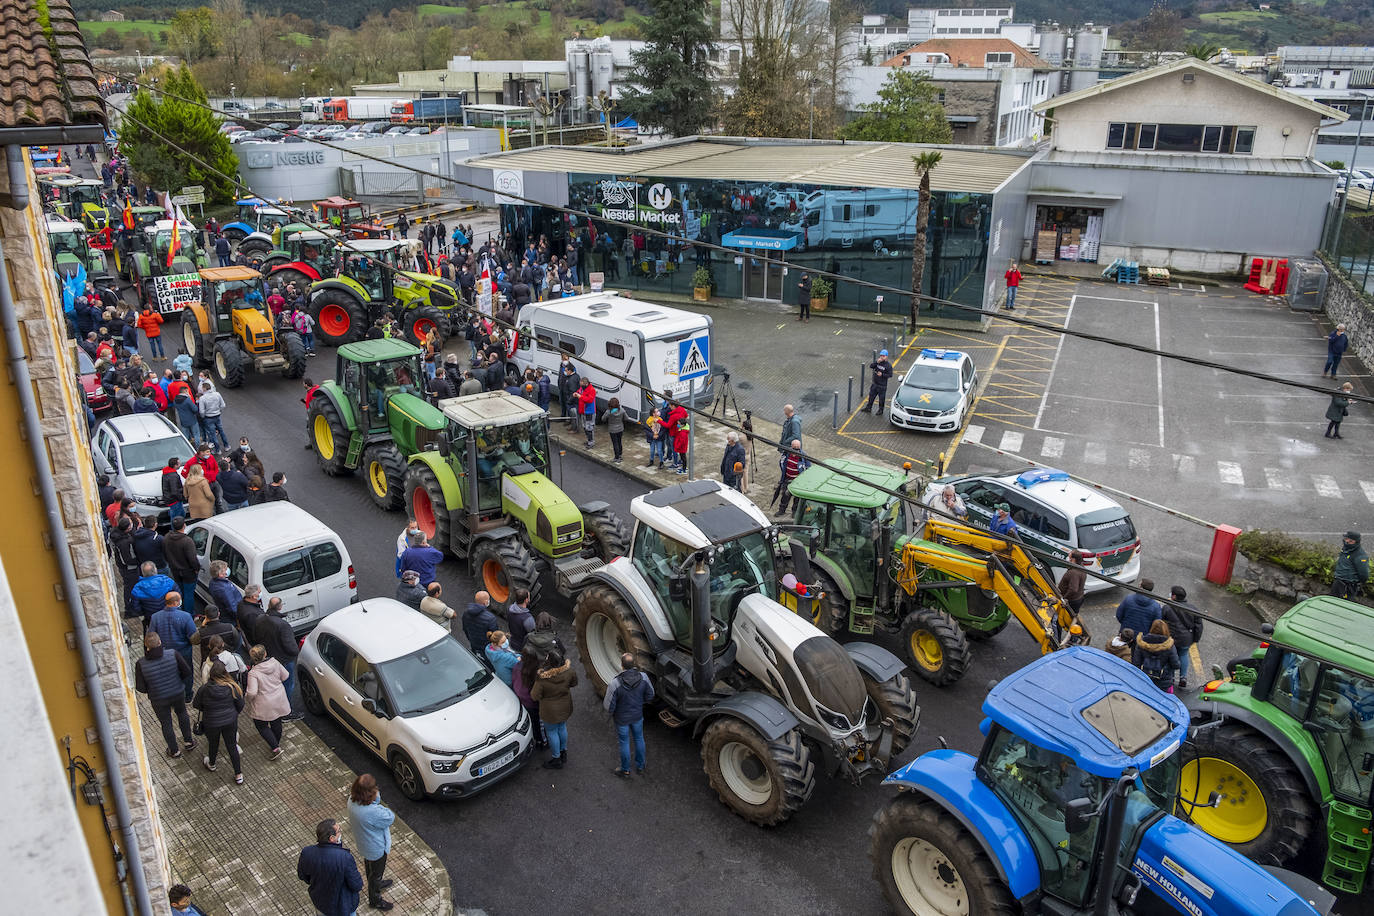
[(878, 287)]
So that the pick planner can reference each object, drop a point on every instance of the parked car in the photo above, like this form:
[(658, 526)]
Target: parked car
[(415, 697), (1055, 513), (419, 131), (397, 131), (290, 553), (232, 105), (936, 392), (133, 450), (274, 106), (96, 396)]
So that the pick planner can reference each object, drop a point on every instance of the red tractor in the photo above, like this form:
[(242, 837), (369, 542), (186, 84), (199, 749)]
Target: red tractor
[(350, 217)]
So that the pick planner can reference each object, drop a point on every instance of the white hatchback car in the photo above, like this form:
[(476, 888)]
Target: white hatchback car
[(133, 449), (290, 553), (936, 393), (415, 697)]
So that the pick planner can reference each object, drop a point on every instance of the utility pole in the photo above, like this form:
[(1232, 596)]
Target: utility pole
[(1349, 177)]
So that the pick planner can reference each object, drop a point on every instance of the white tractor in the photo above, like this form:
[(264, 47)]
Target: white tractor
[(770, 696)]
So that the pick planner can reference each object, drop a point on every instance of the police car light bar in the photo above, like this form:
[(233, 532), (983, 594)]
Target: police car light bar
[(1034, 476), (940, 354)]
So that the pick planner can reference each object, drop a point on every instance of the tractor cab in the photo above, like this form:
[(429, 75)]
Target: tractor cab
[(348, 216), (248, 209), (371, 263), (373, 374), (188, 256), (497, 437), (67, 241), (236, 303), (314, 247)]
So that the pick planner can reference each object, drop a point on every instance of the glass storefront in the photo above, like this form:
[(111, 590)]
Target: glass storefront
[(864, 234)]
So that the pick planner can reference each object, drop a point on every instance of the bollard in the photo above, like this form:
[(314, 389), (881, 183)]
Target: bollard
[(835, 413), (863, 370), (894, 343), (1222, 560), (849, 398)]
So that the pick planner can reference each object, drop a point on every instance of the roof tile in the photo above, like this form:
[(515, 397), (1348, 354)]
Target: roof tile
[(970, 52), (46, 79)]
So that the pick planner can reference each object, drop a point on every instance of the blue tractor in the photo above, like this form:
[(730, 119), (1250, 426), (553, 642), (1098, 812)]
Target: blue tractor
[(1065, 811)]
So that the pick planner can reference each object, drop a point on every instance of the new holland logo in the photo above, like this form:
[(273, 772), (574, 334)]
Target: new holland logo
[(695, 363)]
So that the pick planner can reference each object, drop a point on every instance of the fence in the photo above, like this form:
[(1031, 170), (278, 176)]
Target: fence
[(1349, 243), (393, 183)]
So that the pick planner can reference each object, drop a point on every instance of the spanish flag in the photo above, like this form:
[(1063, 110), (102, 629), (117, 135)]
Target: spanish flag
[(175, 244), (128, 215)]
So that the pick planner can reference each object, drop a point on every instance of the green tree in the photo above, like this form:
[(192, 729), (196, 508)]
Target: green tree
[(906, 112), (1204, 51), (923, 162), (770, 98), (672, 70), (191, 34), (195, 129)]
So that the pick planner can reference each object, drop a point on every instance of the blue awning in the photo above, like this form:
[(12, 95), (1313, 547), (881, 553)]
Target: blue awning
[(770, 239)]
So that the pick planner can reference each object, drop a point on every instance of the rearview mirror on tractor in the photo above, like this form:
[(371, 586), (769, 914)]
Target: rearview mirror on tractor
[(443, 444), (1078, 815), (677, 587)]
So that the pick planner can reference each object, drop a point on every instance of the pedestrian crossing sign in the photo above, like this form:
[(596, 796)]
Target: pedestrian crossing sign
[(693, 358)]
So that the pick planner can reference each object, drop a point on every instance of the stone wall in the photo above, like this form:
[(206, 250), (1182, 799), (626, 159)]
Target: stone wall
[(1258, 576), (1346, 304), (978, 99)]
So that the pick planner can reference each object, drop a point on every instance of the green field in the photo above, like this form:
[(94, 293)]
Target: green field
[(153, 28), (518, 11)]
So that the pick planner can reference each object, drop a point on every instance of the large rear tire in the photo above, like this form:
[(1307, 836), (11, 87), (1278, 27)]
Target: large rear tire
[(503, 566), (328, 435), (765, 782), (340, 317), (896, 700), (292, 349), (384, 476), (420, 320), (281, 276), (608, 535), (1265, 813), (929, 865), (257, 249), (606, 627), (197, 347), (934, 646), (424, 497), (230, 363)]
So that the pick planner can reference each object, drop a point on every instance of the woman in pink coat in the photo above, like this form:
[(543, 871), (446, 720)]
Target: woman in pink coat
[(266, 699)]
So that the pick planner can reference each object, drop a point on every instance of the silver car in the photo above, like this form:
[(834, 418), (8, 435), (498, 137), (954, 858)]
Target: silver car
[(133, 450)]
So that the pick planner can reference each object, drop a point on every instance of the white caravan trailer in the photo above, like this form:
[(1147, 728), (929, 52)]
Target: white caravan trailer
[(848, 219), (631, 338)]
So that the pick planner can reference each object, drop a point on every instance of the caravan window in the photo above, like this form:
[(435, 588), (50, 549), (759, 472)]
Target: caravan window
[(545, 341), (615, 350), (571, 345), (522, 340)]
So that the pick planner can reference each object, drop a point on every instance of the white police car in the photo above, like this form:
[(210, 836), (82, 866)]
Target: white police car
[(936, 392), (1056, 514)]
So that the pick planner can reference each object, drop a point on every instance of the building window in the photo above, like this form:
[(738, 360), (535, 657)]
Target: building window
[(997, 59), (1245, 140), (1116, 135), (1211, 139), (940, 96), (1179, 138), (1147, 136)]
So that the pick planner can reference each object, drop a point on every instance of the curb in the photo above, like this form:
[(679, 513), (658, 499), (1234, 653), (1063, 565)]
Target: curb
[(634, 472)]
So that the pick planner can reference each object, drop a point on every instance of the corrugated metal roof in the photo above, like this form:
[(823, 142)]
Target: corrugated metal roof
[(1187, 162), (850, 165)]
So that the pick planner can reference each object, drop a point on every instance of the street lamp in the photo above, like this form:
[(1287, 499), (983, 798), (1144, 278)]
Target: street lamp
[(1349, 177), (448, 158)]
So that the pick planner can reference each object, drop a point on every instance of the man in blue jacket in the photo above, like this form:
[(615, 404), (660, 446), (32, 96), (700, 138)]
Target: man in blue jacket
[(629, 693), (422, 558), (1136, 611), (329, 870), (478, 621), (149, 593), (176, 629)]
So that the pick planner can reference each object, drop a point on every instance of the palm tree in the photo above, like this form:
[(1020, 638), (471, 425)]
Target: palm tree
[(924, 163), (1203, 52)]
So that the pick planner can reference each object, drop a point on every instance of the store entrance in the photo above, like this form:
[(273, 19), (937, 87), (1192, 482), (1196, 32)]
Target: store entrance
[(1067, 233), (763, 279)]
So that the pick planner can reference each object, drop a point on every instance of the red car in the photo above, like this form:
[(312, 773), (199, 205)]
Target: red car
[(90, 383)]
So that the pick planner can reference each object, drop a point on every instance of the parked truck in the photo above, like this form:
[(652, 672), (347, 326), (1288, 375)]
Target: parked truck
[(357, 108), (421, 110)]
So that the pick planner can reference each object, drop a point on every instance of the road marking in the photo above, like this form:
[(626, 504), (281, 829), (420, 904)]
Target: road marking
[(1326, 486), (1011, 441), (1185, 464), (781, 326), (1159, 376), (1053, 448), (1368, 488), (1277, 479), (1231, 473), (839, 332), (1088, 397), (1054, 363), (1139, 460), (974, 434), (1095, 453)]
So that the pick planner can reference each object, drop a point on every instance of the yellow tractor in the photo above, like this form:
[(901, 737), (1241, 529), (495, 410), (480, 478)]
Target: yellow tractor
[(232, 328)]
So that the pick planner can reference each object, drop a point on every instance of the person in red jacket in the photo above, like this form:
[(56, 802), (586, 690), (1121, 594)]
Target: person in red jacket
[(679, 431), (205, 457), (311, 389), (1013, 276), (586, 406), (150, 322)]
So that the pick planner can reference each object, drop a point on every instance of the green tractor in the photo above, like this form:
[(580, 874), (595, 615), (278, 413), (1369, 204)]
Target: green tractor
[(472, 474), (302, 256), (151, 259), (936, 584), (371, 281), (1288, 743), (70, 247), (129, 242)]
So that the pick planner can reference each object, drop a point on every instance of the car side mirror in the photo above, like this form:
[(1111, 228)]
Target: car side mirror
[(677, 587), (445, 447), (1078, 815), (371, 706)]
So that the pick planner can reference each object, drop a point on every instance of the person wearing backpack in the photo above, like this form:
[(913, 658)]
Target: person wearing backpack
[(1156, 656), (1186, 628)]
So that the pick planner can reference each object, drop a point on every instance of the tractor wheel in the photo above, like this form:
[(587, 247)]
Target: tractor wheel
[(230, 363), (929, 864), (606, 628), (384, 475), (503, 566), (292, 348), (934, 645), (424, 497), (765, 782), (420, 320), (234, 235), (328, 435), (896, 701), (1265, 812), (284, 275), (197, 347), (339, 317), (255, 248), (607, 533)]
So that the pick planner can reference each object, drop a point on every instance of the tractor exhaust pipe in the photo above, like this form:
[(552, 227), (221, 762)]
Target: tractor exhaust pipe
[(703, 659), (1111, 843)]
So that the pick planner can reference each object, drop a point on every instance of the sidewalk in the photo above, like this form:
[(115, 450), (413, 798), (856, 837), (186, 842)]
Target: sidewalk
[(235, 847)]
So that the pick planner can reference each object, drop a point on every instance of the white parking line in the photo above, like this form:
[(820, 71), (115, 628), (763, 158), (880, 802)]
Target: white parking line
[(1054, 364), (1368, 487), (1185, 464), (1326, 486), (1095, 453), (1159, 376), (1052, 448), (1139, 460), (1277, 479), (1231, 473), (974, 434), (1011, 441)]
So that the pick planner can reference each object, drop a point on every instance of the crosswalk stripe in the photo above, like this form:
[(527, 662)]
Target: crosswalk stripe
[(974, 434), (1011, 441), (1277, 479), (1326, 486), (1139, 460), (1095, 453), (1231, 473), (1052, 448), (1185, 464), (1368, 488)]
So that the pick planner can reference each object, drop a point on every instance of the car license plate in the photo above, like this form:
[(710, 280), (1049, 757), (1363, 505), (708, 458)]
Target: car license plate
[(495, 764), (300, 613)]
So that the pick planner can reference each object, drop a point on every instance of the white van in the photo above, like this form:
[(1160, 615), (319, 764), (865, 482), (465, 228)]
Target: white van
[(635, 339), (290, 553)]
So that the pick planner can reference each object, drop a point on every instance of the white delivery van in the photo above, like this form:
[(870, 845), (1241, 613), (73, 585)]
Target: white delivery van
[(631, 338), (290, 553)]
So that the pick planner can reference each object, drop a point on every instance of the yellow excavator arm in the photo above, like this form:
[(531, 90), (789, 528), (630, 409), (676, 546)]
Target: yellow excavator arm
[(999, 566)]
